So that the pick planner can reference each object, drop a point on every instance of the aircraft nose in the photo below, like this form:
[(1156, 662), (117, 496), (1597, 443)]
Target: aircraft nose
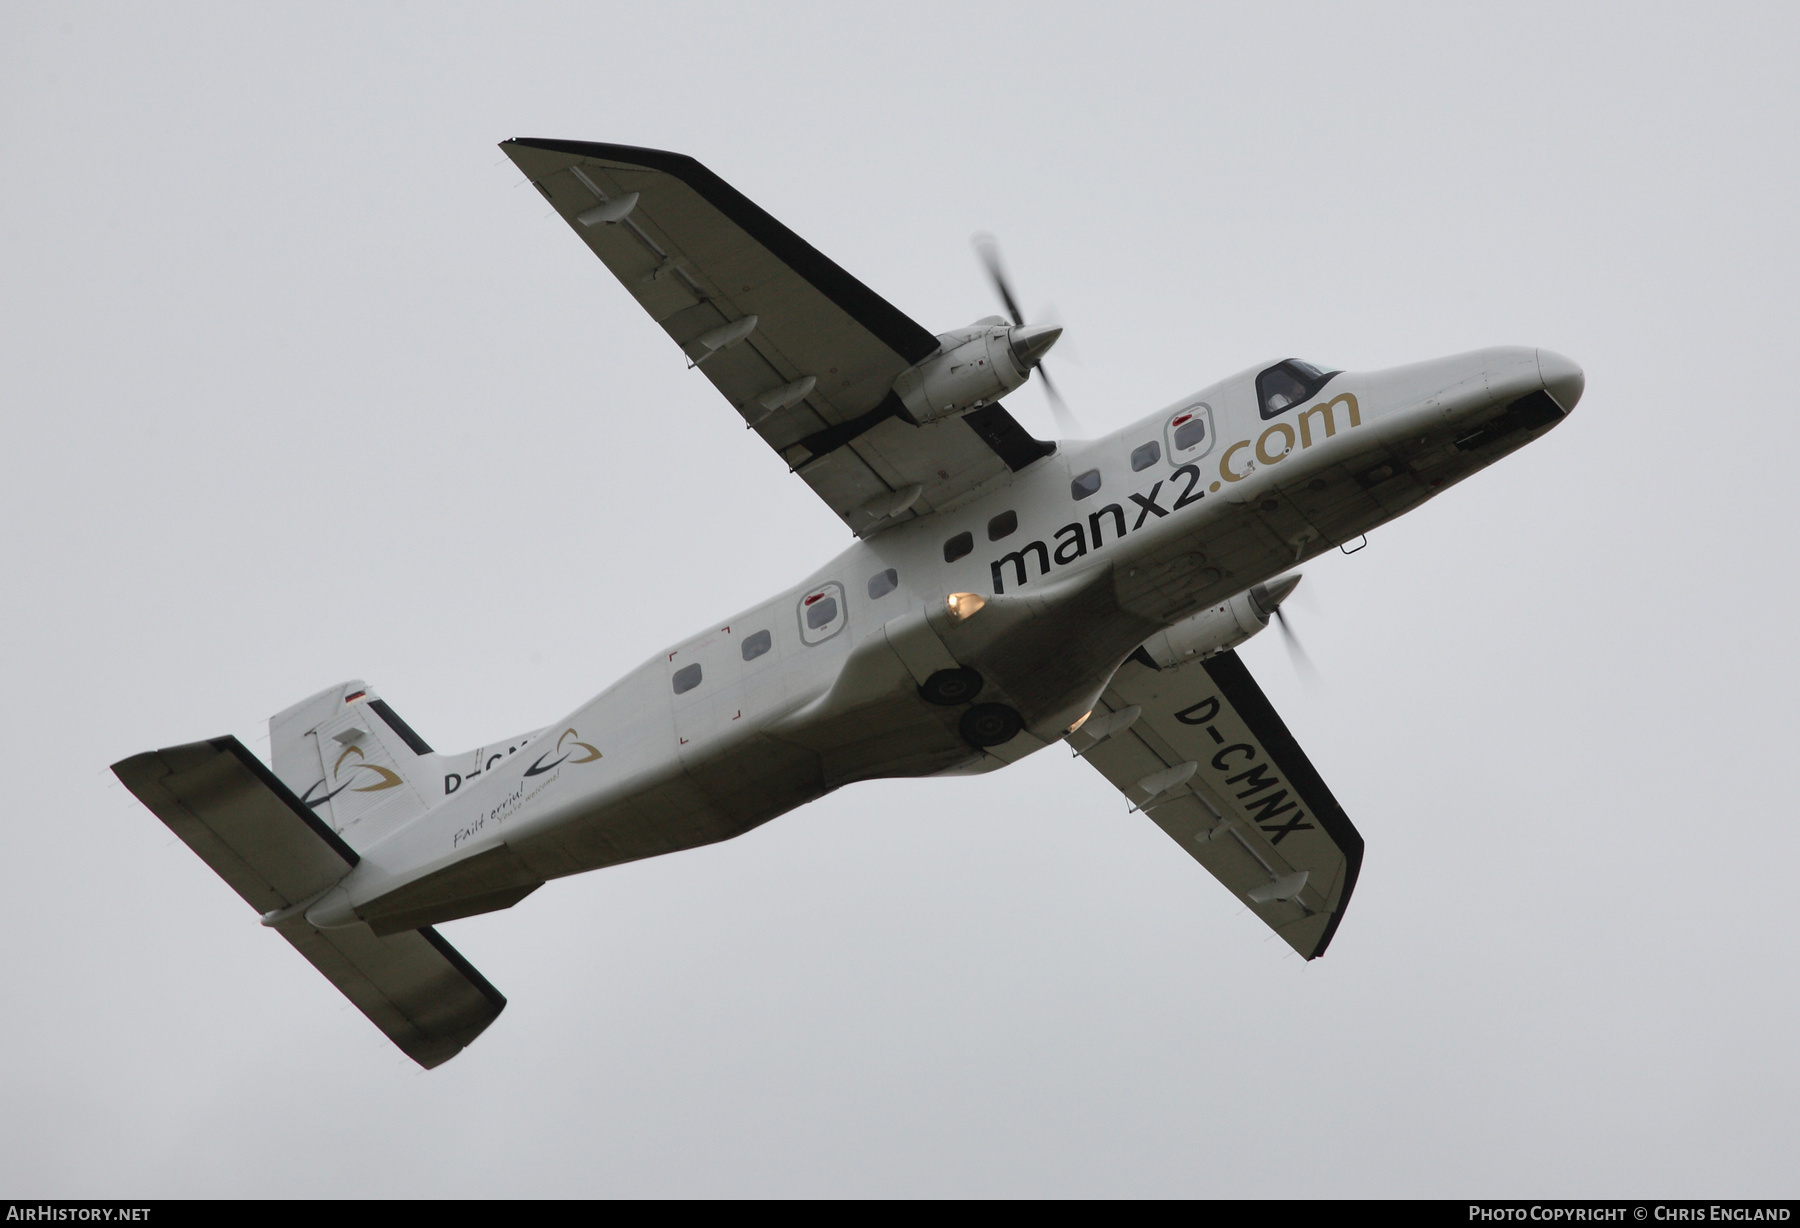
[(1563, 380)]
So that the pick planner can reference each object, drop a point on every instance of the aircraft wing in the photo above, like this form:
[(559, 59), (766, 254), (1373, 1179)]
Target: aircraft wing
[(805, 352), (1207, 758)]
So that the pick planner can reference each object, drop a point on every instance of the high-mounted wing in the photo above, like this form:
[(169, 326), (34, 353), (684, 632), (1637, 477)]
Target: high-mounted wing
[(804, 351), (1203, 753)]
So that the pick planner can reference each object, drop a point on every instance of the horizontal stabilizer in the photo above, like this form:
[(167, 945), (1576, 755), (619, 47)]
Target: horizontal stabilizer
[(414, 986), (244, 823), (277, 854)]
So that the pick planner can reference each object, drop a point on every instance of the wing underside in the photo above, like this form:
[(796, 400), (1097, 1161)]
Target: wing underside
[(805, 352), (1208, 759)]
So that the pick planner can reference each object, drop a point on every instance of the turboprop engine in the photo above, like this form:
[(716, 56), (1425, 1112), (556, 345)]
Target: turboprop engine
[(973, 366), (1221, 626)]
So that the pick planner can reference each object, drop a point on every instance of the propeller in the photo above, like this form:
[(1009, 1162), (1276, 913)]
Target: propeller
[(989, 251), (1268, 598), (1302, 663)]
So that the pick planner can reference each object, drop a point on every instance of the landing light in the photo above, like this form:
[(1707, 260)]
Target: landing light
[(964, 605), (1079, 723)]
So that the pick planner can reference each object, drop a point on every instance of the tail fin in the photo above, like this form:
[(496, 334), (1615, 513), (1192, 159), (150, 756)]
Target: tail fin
[(279, 856), (352, 761)]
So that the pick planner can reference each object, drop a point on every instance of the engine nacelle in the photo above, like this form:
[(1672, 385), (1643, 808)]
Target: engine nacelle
[(974, 366), (1221, 626)]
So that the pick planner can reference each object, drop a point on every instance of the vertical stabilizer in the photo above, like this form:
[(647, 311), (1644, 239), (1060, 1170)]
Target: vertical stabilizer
[(353, 762)]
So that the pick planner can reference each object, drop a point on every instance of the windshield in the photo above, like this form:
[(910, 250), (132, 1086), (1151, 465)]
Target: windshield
[(1288, 383)]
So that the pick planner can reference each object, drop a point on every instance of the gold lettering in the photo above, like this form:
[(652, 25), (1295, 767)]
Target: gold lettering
[(1306, 425), (1262, 453), (1225, 462), (1346, 399)]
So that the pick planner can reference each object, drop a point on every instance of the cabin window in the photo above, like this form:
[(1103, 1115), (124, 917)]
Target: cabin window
[(686, 678), (1287, 384), (882, 583), (1003, 525), (1145, 455), (958, 546), (1190, 434), (1085, 485), (757, 644), (822, 613)]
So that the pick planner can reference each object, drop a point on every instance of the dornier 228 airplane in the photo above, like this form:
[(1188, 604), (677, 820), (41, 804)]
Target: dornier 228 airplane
[(1002, 594)]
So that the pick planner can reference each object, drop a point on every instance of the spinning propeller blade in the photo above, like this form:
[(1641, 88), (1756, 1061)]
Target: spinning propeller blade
[(990, 257), (989, 251), (1302, 663), (1065, 417)]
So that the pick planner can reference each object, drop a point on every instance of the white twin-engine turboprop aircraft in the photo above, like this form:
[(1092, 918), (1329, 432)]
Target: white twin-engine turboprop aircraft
[(1003, 594)]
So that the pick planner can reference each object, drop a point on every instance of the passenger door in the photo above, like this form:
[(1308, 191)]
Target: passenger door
[(707, 689)]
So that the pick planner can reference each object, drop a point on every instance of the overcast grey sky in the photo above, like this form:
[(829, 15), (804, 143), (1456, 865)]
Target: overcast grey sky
[(301, 383)]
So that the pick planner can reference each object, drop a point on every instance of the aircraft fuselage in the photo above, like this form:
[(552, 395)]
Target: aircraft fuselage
[(1065, 570)]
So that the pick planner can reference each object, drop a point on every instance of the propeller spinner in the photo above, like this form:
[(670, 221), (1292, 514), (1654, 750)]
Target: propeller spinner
[(1029, 344)]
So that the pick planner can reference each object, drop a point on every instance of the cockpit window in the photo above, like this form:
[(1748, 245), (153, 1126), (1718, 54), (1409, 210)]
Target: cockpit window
[(1288, 383)]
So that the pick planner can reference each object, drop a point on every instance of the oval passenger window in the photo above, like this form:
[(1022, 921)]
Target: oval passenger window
[(882, 583), (1085, 485), (756, 645), (1145, 455), (818, 614), (686, 678), (1002, 525), (958, 546), (1190, 433)]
